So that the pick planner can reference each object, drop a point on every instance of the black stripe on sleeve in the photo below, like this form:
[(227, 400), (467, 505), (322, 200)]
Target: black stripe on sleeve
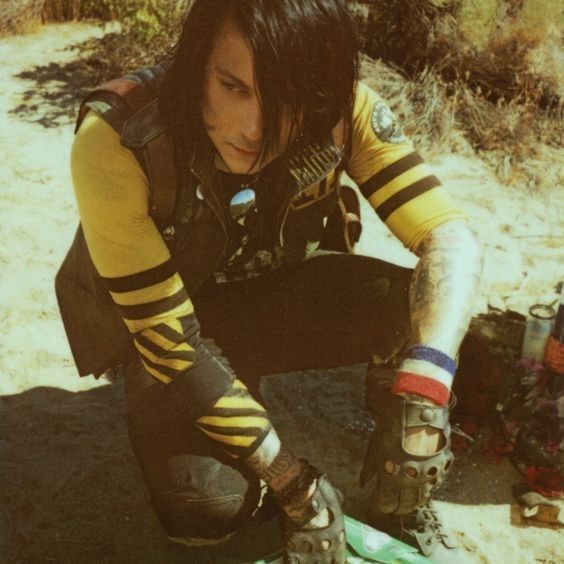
[(389, 173), (403, 196), (169, 333), (234, 431), (141, 279), (188, 356), (164, 370), (151, 309), (236, 412), (245, 452)]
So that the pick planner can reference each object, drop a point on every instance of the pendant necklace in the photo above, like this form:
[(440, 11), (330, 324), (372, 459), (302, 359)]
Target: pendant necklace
[(243, 201)]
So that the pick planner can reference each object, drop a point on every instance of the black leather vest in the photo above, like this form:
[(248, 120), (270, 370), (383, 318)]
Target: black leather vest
[(197, 234)]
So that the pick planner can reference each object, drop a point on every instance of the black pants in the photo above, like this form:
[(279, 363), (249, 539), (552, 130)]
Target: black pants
[(331, 310)]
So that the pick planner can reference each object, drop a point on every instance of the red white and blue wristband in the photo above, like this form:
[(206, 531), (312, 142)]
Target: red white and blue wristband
[(427, 372)]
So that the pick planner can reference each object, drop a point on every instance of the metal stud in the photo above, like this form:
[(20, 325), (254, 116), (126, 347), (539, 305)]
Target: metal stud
[(427, 415), (169, 232)]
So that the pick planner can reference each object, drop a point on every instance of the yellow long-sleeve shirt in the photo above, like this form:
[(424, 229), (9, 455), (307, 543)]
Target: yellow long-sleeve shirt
[(112, 192)]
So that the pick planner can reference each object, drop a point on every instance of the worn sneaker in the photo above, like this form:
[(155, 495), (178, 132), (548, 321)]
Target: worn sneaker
[(424, 530)]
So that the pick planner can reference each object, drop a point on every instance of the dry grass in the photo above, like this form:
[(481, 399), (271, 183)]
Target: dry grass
[(148, 31), (19, 17), (116, 54), (72, 10), (490, 68), (404, 33), (61, 10), (421, 105), (22, 28), (477, 20)]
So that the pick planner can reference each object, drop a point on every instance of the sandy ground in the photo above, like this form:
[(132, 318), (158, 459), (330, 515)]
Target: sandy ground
[(69, 485)]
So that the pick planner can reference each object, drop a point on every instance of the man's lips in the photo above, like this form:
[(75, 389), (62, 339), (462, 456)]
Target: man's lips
[(246, 152)]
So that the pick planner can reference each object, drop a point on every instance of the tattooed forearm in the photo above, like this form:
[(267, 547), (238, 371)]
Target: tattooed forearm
[(265, 454), (277, 466), (444, 286), (273, 463), (281, 464)]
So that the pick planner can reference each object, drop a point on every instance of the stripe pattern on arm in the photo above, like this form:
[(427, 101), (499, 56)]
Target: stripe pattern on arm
[(237, 422), (158, 312), (398, 184)]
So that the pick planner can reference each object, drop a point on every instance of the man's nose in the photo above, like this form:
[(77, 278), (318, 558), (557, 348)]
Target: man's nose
[(252, 123)]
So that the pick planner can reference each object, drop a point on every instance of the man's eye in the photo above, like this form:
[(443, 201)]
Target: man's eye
[(229, 85)]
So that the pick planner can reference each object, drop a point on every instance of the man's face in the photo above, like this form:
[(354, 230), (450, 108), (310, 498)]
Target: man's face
[(231, 108)]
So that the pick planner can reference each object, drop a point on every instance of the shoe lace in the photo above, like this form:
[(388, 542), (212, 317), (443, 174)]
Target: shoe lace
[(428, 518)]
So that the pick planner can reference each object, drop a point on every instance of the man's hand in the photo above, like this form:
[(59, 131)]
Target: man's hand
[(409, 454), (422, 440), (314, 527), (313, 524)]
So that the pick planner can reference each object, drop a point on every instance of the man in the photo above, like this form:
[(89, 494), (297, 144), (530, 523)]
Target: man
[(206, 187)]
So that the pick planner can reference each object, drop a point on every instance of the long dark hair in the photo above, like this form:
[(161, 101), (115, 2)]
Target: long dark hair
[(305, 63)]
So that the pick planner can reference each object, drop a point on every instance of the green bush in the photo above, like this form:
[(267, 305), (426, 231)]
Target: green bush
[(145, 20)]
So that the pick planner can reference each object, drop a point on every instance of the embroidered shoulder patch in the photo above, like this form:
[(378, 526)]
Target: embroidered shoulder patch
[(385, 124)]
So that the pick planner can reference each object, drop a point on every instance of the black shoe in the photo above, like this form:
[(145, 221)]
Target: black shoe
[(423, 530)]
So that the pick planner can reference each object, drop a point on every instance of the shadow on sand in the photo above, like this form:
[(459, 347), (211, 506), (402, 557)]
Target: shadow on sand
[(72, 492), (55, 90)]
